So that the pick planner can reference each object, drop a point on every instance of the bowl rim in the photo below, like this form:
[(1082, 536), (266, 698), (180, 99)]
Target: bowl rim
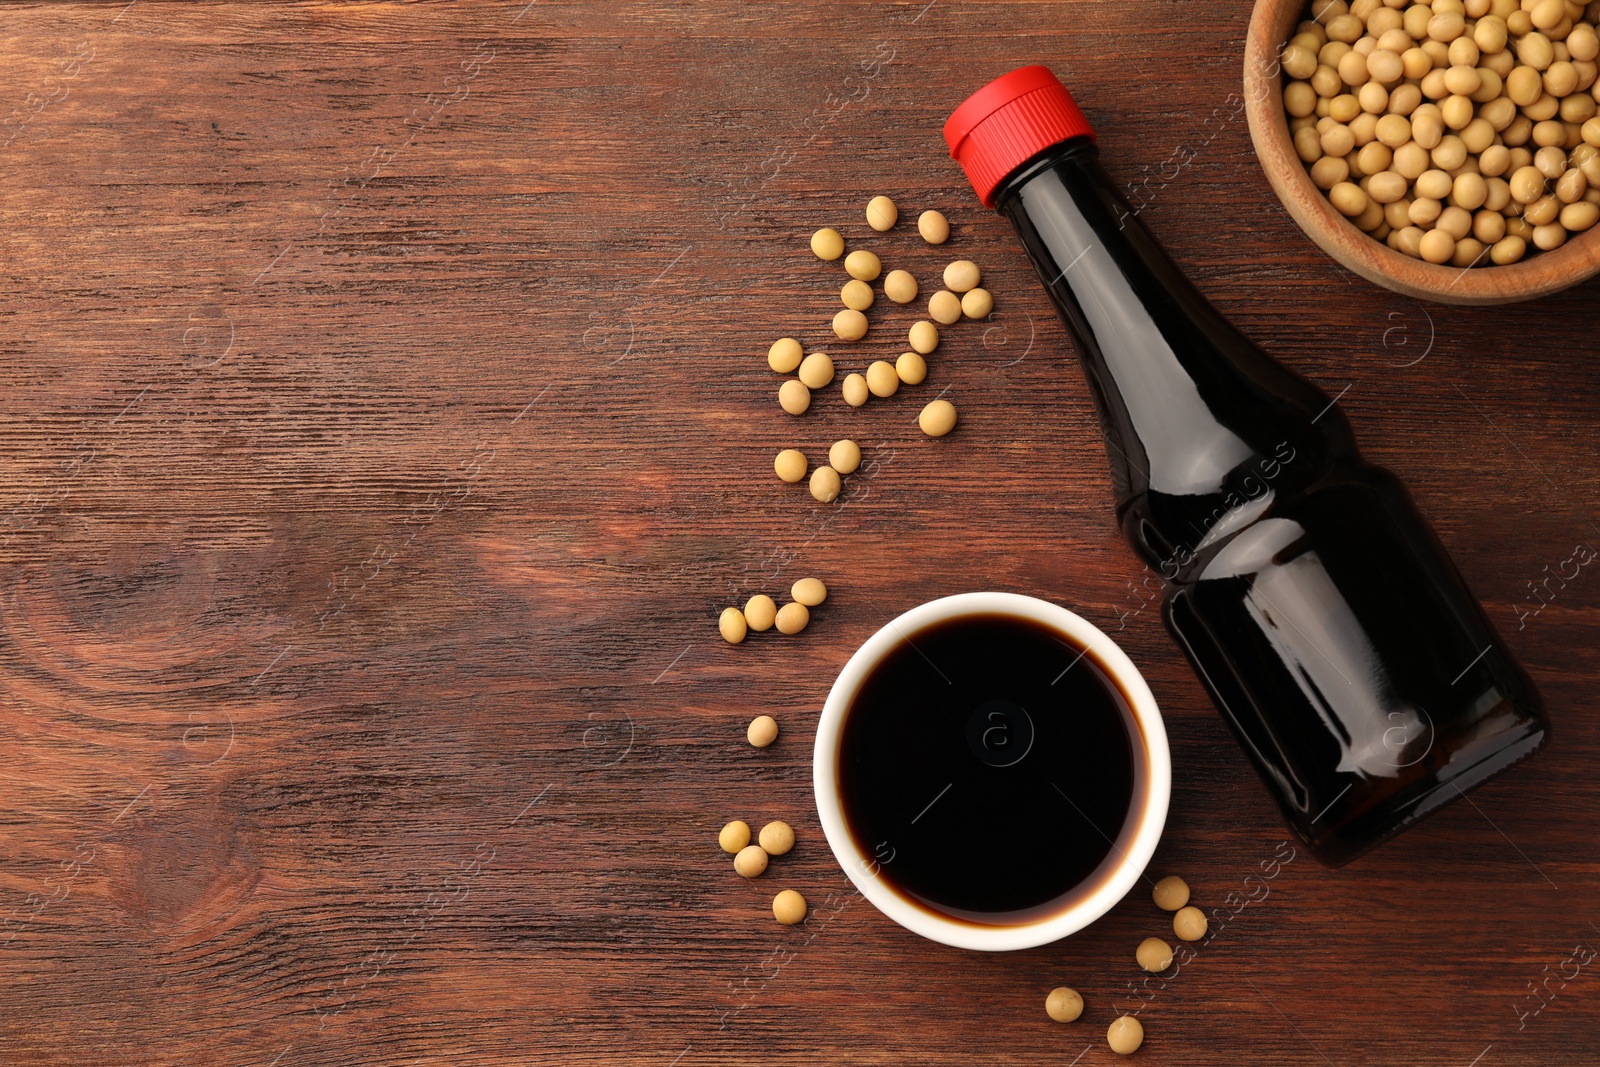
[(1270, 24)]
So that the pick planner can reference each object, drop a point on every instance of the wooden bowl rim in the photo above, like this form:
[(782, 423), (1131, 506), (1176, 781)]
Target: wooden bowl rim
[(1548, 272)]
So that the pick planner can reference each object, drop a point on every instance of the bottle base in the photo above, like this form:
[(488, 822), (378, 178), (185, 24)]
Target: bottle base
[(1343, 843)]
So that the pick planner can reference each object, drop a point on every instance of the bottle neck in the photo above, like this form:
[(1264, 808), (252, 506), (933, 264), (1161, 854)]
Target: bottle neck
[(1187, 403)]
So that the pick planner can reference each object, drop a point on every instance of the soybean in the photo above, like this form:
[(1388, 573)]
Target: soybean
[(1064, 1004), (1437, 246), (1580, 216), (825, 486), (790, 464), (1154, 955), (1348, 198), (900, 286), (731, 623), (1171, 893), (850, 325), (792, 618), (1189, 923), (923, 336), (882, 214), (934, 227), (1508, 249), (938, 418), (961, 275), (789, 907), (844, 456), (785, 355), (763, 730), (1125, 1035), (911, 368), (944, 307), (863, 265), (734, 836), (1299, 61), (1527, 185), (977, 303), (816, 371), (1450, 130), (776, 838), (854, 390), (827, 243), (794, 397), (759, 612), (809, 591), (856, 295), (882, 379), (751, 861)]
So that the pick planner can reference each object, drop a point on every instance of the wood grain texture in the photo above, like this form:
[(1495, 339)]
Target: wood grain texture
[(385, 423)]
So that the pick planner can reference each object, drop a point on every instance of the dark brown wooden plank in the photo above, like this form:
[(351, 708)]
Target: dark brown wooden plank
[(385, 423)]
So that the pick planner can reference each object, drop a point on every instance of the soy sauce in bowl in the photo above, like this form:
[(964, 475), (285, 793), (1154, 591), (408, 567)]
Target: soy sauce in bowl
[(990, 765)]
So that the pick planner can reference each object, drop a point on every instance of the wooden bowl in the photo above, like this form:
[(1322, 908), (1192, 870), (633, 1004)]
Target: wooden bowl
[(1271, 25)]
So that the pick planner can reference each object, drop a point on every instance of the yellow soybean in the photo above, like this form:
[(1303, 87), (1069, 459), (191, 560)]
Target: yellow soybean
[(977, 303), (863, 265), (850, 325), (856, 295), (762, 731), (816, 371), (882, 214), (938, 418), (809, 592), (854, 390), (734, 836), (844, 457), (961, 275), (911, 368), (934, 227), (760, 612), (825, 486), (792, 618), (882, 379), (790, 465), (900, 286), (944, 307), (789, 907), (785, 355), (827, 243)]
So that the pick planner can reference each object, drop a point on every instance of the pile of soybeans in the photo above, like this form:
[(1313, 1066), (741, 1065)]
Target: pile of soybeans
[(1461, 131)]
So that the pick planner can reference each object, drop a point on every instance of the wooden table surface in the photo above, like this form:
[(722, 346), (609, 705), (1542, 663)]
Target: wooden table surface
[(385, 422)]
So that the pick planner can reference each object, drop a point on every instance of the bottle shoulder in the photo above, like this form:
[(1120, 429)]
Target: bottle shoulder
[(1177, 534), (1188, 401)]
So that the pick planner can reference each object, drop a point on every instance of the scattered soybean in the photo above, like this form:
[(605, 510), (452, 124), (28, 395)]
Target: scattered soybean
[(760, 611), (882, 214), (734, 836), (938, 418), (792, 618), (827, 243), (785, 355), (934, 227), (790, 465), (763, 730), (731, 623), (789, 907)]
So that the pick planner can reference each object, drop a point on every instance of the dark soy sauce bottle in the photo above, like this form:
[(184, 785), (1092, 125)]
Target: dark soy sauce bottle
[(1317, 607)]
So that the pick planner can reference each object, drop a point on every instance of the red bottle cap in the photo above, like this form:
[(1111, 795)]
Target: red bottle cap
[(1007, 122)]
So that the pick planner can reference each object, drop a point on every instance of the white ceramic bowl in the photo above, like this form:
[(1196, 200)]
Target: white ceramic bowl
[(862, 870)]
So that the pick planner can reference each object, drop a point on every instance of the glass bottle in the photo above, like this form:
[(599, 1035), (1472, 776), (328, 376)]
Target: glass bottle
[(1320, 612)]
